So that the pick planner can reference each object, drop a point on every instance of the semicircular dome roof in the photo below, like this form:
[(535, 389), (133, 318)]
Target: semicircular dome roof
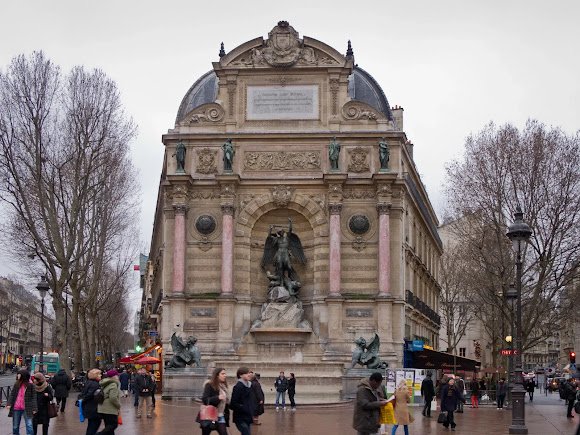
[(361, 87)]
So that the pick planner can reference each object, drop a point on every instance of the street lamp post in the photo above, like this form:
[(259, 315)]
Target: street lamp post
[(519, 233), (42, 287)]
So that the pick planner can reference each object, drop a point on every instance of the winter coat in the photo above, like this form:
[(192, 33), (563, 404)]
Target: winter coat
[(41, 416), (243, 403), (124, 380), (87, 395), (111, 405), (367, 408), (30, 402), (211, 396), (281, 384), (143, 385), (402, 406), (61, 383), (259, 394), (427, 389), (450, 397)]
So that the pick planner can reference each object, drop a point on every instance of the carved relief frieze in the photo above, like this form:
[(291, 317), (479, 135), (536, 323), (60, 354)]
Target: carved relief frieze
[(206, 161), (211, 112), (358, 160), (281, 195), (354, 111), (281, 160)]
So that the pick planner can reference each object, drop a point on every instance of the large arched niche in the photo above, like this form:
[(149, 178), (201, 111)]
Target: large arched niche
[(300, 226)]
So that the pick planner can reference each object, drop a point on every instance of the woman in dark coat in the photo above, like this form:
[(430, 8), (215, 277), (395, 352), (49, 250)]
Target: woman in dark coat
[(450, 397), (89, 403), (44, 395), (62, 384)]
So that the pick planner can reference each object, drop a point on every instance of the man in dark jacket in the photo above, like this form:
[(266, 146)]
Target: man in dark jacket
[(450, 396), (368, 404), (61, 383), (281, 386), (428, 392), (243, 401), (89, 403)]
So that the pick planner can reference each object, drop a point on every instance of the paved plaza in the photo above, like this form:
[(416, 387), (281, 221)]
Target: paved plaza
[(545, 417)]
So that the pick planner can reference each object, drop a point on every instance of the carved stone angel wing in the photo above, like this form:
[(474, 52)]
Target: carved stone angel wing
[(295, 247), (269, 252)]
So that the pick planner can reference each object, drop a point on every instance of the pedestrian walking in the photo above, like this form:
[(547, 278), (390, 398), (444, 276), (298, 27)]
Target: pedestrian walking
[(144, 386), (369, 399), (89, 403), (259, 395), (111, 406), (124, 383), (428, 392), (501, 393), (281, 385), (475, 393), (243, 401), (44, 395), (22, 402), (292, 391), (61, 383), (450, 395), (402, 415), (215, 393)]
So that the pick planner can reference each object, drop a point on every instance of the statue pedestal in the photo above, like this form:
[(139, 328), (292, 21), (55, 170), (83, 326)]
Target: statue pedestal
[(352, 377), (186, 383)]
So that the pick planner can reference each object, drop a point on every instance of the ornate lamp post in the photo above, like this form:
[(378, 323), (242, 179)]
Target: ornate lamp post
[(42, 287), (519, 233)]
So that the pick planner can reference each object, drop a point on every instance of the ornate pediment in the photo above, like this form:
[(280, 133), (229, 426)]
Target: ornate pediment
[(284, 48), (211, 112)]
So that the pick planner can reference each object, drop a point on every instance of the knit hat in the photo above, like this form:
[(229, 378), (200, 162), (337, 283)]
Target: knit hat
[(112, 373)]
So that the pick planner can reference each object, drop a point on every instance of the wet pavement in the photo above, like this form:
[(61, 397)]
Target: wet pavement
[(545, 417)]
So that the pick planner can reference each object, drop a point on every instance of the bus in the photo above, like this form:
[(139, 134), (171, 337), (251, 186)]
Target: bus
[(50, 361)]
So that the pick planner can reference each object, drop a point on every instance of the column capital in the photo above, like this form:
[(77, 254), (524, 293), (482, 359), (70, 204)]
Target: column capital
[(335, 208), (383, 208), (180, 208), (228, 209)]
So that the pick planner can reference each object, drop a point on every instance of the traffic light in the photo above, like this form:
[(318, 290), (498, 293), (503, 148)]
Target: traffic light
[(572, 357)]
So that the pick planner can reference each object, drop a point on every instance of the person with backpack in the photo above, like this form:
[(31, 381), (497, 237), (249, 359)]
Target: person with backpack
[(144, 388), (88, 400), (109, 405)]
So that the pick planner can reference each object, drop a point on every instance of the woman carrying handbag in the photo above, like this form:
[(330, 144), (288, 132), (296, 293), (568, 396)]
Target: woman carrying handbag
[(44, 396), (215, 394)]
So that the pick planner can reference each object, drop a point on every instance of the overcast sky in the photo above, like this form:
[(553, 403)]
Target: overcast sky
[(453, 65)]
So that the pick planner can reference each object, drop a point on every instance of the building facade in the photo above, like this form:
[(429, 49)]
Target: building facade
[(315, 142)]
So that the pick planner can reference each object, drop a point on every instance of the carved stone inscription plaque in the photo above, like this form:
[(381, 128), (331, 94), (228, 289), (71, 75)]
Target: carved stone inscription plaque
[(282, 102)]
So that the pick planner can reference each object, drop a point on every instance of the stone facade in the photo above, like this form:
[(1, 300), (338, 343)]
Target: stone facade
[(368, 234)]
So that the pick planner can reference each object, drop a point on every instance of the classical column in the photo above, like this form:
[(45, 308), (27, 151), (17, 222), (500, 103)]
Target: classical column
[(334, 249), (384, 250), (179, 248), (227, 249)]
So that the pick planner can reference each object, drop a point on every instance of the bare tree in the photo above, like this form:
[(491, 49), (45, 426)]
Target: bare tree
[(65, 168), (537, 169)]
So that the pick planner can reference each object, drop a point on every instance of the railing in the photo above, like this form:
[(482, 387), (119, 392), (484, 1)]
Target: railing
[(4, 395)]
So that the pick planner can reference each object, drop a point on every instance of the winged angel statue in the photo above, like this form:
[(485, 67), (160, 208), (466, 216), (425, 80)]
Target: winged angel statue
[(281, 249), (184, 354), (368, 354)]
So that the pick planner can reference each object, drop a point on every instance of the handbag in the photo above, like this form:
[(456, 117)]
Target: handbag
[(52, 410), (442, 417)]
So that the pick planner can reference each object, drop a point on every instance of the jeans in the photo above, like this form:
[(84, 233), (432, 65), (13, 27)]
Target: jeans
[(16, 417), (111, 423), (449, 421), (281, 394), (500, 400), (244, 428), (405, 427)]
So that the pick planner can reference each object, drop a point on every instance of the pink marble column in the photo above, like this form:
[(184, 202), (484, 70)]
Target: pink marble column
[(179, 248), (227, 249), (384, 250), (334, 240)]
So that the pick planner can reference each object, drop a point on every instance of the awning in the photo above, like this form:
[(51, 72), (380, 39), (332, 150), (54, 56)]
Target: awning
[(432, 359)]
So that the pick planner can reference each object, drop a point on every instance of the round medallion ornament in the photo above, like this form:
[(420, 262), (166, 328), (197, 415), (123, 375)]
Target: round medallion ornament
[(359, 224), (205, 224)]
